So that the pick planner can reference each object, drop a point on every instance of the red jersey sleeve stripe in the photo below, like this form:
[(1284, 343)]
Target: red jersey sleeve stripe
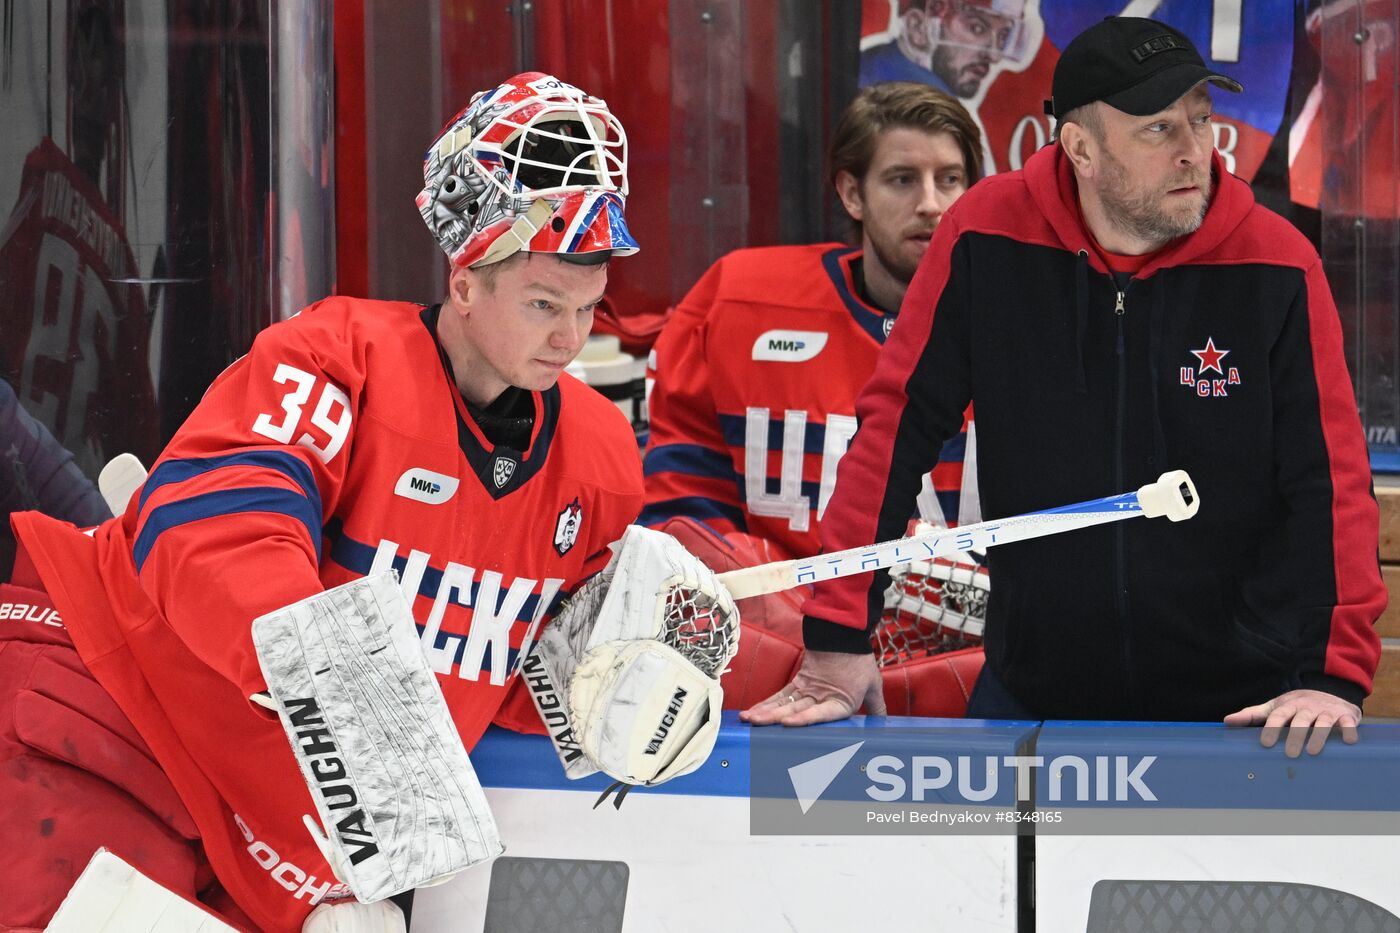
[(1353, 647)]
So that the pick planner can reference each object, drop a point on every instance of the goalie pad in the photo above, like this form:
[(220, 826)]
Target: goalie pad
[(393, 787), (640, 650), (111, 896)]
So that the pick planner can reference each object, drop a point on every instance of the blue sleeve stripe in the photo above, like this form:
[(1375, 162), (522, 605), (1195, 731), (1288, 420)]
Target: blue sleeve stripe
[(954, 449), (177, 471), (735, 430), (690, 459), (226, 502), (949, 502), (696, 507)]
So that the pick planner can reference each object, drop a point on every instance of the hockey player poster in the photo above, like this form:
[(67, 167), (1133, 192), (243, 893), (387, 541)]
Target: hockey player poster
[(997, 58)]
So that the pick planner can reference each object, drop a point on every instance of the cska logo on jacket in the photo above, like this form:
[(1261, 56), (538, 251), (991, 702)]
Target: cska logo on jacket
[(566, 528), (1212, 379), (501, 471)]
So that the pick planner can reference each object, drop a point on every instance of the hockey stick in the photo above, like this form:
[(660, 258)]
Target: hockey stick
[(1173, 495)]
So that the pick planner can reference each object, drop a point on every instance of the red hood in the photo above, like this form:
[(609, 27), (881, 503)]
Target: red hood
[(1052, 186)]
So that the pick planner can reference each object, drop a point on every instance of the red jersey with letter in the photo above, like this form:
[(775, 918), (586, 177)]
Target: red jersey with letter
[(753, 400), (337, 447)]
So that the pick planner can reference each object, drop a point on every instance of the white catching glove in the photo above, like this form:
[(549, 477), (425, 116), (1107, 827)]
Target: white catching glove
[(639, 650)]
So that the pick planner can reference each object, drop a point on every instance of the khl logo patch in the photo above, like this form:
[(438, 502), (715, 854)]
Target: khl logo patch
[(1210, 358), (502, 470), (566, 528)]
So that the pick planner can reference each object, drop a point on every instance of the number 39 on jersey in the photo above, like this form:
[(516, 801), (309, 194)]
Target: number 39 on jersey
[(326, 428)]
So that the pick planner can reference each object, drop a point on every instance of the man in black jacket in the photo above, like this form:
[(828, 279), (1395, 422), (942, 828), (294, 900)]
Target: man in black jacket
[(1119, 308)]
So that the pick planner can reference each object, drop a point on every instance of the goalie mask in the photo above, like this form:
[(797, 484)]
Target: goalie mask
[(534, 165)]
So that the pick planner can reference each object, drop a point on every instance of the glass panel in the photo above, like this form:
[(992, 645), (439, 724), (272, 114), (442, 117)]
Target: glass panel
[(141, 244), (303, 97), (710, 186), (1356, 116)]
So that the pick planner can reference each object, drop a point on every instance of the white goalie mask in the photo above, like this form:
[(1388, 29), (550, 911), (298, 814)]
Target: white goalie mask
[(534, 164)]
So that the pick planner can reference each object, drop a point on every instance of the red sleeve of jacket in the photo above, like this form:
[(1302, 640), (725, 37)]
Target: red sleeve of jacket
[(228, 525), (1340, 656), (911, 406), (688, 467)]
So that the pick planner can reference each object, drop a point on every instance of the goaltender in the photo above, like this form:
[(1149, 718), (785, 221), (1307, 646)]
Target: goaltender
[(444, 443)]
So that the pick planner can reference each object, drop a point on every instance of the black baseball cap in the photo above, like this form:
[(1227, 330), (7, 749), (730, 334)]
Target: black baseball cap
[(1136, 65)]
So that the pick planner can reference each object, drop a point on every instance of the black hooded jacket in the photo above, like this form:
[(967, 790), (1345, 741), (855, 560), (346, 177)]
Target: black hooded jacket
[(1225, 360)]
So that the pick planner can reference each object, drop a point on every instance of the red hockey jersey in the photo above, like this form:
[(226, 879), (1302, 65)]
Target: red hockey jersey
[(339, 446), (752, 402)]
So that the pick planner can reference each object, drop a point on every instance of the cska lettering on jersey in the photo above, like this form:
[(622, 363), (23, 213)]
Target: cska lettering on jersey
[(1210, 358), (1207, 387), (479, 623), (753, 398), (790, 440)]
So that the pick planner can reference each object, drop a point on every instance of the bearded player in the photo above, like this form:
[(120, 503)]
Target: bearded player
[(756, 373), (445, 443)]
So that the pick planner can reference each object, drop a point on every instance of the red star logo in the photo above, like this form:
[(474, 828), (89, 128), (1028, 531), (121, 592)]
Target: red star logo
[(1210, 357)]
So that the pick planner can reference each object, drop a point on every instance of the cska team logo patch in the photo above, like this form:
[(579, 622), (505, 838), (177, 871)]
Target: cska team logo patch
[(501, 471), (1212, 379), (566, 528)]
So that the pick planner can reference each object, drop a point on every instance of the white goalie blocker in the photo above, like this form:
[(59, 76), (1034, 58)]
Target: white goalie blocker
[(399, 804), (638, 653)]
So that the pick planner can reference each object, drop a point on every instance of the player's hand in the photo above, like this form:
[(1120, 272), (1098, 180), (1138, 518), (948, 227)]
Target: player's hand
[(1299, 711), (830, 685)]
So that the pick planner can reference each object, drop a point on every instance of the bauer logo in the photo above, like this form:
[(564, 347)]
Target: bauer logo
[(789, 346), (426, 486)]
